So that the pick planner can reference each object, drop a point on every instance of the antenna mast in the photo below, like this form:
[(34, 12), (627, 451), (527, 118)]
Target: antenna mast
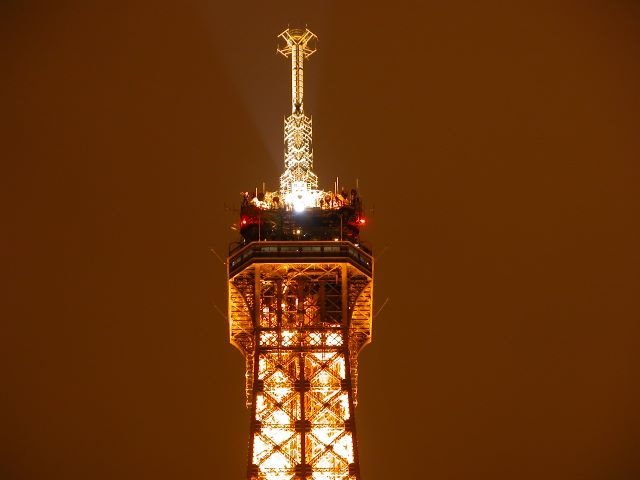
[(298, 183)]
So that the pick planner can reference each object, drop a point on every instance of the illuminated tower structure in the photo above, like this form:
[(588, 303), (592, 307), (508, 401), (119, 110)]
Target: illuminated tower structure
[(300, 296)]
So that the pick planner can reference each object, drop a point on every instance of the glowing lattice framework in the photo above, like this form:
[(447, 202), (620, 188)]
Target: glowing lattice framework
[(301, 327), (298, 183), (300, 312)]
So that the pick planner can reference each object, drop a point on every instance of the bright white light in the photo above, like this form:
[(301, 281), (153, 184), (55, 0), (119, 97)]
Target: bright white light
[(280, 392), (340, 363), (276, 461), (299, 200), (323, 356), (260, 447), (315, 338), (298, 205), (344, 447), (326, 434), (277, 435), (323, 476), (344, 402), (280, 417), (301, 197), (262, 367), (260, 406), (324, 378), (289, 337), (268, 338), (334, 339)]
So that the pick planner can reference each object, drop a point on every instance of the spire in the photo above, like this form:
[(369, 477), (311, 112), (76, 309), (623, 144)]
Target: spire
[(297, 44), (298, 183)]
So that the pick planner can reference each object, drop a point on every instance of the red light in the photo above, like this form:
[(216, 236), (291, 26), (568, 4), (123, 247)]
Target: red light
[(243, 221), (362, 221)]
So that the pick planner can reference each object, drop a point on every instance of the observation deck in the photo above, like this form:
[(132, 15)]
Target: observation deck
[(301, 252)]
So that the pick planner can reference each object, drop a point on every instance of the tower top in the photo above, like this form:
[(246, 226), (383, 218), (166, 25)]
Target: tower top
[(298, 44), (300, 210), (297, 36)]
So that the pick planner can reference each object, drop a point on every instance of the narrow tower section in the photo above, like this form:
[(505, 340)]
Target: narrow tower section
[(298, 183), (300, 296)]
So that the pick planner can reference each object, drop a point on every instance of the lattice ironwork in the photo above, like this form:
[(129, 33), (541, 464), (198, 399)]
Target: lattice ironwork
[(307, 325), (298, 183)]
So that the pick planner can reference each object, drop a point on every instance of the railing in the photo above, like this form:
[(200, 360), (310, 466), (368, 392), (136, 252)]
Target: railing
[(300, 252)]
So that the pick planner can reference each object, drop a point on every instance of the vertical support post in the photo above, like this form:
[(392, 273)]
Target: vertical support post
[(255, 358), (296, 78), (257, 293), (345, 296)]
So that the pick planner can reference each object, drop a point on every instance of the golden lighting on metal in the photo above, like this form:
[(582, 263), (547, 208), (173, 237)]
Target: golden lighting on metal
[(300, 312), (298, 183), (301, 327)]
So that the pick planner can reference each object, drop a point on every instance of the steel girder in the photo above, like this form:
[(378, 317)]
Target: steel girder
[(300, 327)]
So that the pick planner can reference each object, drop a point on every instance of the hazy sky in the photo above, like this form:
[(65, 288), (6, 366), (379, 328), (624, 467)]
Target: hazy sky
[(496, 145)]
